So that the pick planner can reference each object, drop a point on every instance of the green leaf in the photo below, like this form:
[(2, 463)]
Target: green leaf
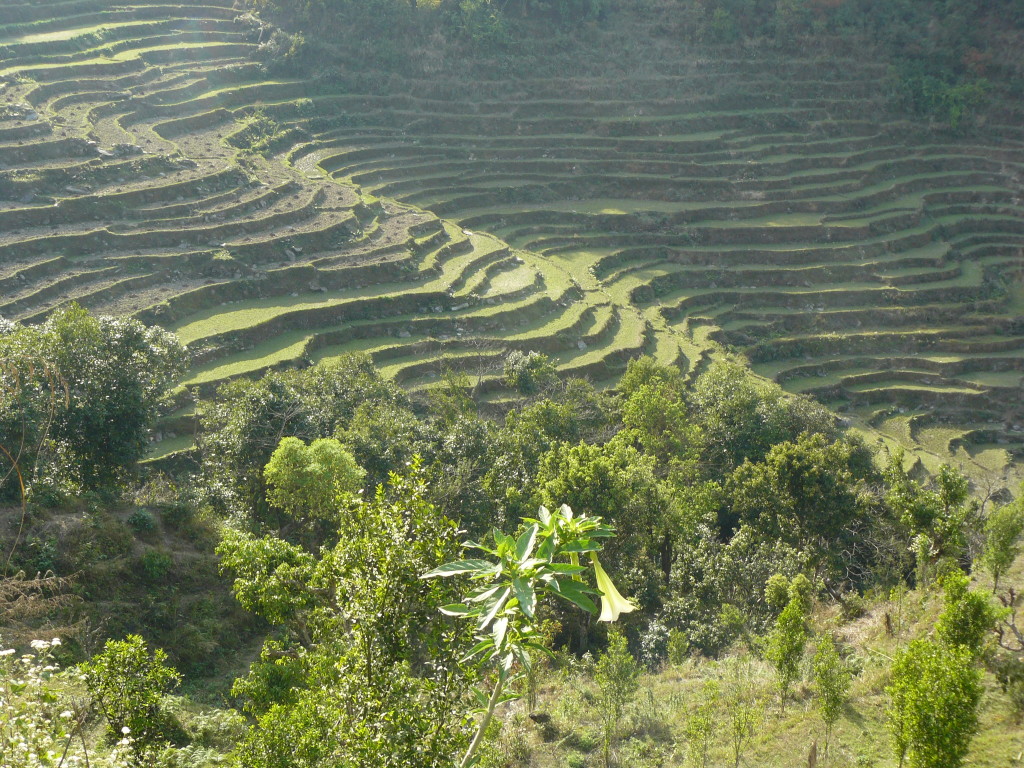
[(546, 550), (525, 542), (526, 596), (480, 696), (455, 609), (574, 592), (541, 648), (459, 566), (483, 645), (500, 628), (580, 545), (496, 606)]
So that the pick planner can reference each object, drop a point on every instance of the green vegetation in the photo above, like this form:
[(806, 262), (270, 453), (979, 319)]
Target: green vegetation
[(738, 280)]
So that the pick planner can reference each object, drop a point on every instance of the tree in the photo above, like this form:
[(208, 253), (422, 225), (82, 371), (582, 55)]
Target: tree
[(359, 656), (127, 683), (933, 703), (744, 712), (807, 493), (618, 677), (529, 372), (316, 480), (831, 682), (108, 375), (1003, 531), (785, 644), (742, 417), (244, 424), (967, 616), (934, 518), (617, 483)]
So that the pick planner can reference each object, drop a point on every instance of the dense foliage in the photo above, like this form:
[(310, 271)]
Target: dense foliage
[(78, 396), (340, 501)]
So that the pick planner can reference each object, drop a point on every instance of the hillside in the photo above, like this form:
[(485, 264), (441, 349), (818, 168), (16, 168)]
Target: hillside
[(764, 202)]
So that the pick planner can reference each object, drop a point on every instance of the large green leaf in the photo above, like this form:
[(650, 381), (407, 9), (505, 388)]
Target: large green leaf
[(460, 566), (574, 592), (581, 545), (525, 542), (526, 596), (494, 607)]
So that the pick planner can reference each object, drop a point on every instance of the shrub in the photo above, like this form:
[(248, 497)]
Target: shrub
[(967, 616), (831, 683), (36, 727), (127, 684), (933, 709), (1003, 531), (141, 521), (155, 565)]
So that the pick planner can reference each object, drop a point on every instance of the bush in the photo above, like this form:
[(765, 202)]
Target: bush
[(933, 710), (127, 683), (141, 521), (36, 727), (155, 565)]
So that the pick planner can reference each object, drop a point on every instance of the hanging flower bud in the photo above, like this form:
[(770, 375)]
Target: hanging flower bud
[(612, 603)]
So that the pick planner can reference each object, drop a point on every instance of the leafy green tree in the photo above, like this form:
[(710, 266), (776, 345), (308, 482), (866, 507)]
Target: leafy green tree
[(655, 417), (617, 675), (742, 417), (936, 519), (744, 711), (243, 425), (384, 437), (108, 376), (646, 371), (573, 414), (967, 615), (530, 372), (785, 645), (618, 483), (128, 683), (808, 493), (832, 684), (316, 480), (361, 668), (1003, 531), (933, 704)]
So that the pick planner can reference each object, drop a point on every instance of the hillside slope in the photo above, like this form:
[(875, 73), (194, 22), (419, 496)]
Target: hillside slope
[(685, 200)]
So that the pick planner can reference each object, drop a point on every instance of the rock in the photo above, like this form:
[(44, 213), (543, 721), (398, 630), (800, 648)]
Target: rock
[(404, 335), (581, 345)]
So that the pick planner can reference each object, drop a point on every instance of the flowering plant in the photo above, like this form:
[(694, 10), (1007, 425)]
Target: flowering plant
[(39, 725), (543, 559)]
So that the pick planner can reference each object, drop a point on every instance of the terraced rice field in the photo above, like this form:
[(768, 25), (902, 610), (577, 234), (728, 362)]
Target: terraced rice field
[(768, 207)]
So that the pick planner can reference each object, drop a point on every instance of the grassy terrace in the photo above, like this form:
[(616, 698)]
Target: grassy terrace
[(693, 205)]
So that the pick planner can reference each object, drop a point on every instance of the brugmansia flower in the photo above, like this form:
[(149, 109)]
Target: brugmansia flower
[(612, 603)]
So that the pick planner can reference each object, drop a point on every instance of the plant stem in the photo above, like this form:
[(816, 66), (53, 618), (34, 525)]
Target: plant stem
[(486, 721)]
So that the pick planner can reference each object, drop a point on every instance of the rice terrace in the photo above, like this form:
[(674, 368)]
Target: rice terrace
[(673, 210), (511, 383)]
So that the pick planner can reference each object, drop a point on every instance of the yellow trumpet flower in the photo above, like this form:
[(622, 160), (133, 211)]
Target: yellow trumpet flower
[(612, 603)]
